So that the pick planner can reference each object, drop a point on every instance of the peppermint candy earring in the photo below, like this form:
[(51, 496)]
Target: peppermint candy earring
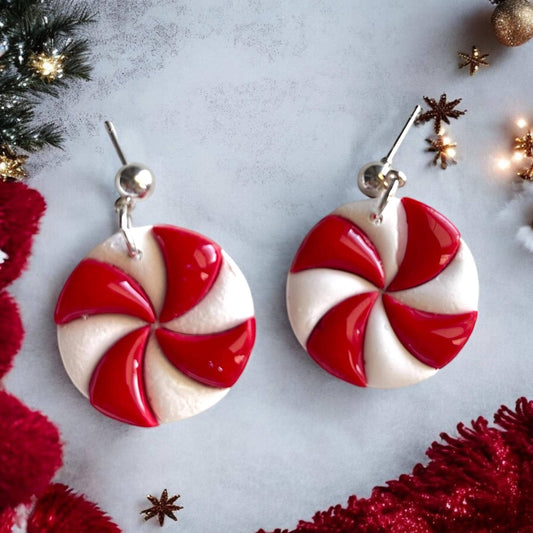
[(383, 292), (157, 322)]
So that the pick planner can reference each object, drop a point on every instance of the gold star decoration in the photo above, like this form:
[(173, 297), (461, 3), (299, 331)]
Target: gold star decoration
[(524, 144), (164, 506), (11, 164), (526, 174), (444, 150), (48, 67), (473, 60), (440, 112)]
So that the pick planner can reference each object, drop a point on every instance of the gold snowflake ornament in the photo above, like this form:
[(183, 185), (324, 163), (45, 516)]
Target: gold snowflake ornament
[(11, 164), (444, 150), (440, 111), (48, 67), (162, 507), (474, 60), (526, 174), (524, 144)]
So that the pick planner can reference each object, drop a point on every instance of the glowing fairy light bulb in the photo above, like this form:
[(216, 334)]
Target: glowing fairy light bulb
[(47, 67), (503, 164)]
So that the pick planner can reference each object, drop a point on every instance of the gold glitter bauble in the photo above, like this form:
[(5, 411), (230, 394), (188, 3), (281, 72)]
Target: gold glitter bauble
[(512, 21)]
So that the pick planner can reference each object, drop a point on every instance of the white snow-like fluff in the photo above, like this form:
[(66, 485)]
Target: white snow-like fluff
[(519, 212)]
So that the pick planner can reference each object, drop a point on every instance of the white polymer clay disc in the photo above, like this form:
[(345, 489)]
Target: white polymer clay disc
[(383, 305), (157, 338)]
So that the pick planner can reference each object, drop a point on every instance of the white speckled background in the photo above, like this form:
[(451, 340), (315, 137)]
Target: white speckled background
[(255, 116)]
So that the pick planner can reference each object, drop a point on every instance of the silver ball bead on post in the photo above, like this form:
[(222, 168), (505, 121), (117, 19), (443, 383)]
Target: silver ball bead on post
[(372, 178), (135, 180)]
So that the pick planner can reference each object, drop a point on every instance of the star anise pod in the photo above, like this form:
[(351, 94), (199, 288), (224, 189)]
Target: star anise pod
[(164, 506)]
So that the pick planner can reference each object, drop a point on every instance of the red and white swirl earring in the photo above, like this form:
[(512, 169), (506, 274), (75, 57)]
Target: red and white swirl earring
[(383, 292), (156, 323)]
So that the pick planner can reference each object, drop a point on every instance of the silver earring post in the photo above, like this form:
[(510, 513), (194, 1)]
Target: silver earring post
[(133, 182), (403, 134), (114, 139), (379, 179)]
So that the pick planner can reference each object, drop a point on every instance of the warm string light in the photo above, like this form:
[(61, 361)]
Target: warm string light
[(522, 153), (48, 67), (41, 53), (503, 164)]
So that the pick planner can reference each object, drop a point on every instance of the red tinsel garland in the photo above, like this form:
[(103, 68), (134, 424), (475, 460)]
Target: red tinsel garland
[(61, 511), (479, 482)]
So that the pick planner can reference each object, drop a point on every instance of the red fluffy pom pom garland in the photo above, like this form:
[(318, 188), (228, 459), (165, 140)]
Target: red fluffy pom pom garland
[(30, 452), (30, 445)]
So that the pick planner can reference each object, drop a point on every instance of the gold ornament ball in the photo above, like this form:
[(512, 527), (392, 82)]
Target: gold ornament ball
[(512, 21)]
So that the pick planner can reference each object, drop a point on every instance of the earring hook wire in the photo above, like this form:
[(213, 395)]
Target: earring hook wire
[(125, 204)]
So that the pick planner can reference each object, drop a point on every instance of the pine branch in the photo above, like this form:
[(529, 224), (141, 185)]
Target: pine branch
[(36, 138), (16, 129), (68, 17), (43, 54), (77, 60)]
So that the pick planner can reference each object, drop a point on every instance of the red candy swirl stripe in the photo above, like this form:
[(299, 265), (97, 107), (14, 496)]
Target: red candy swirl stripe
[(339, 244), (432, 242), (120, 371)]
